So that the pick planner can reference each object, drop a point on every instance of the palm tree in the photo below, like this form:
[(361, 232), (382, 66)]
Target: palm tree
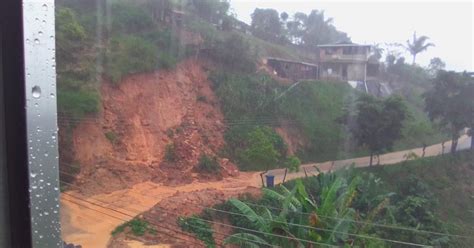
[(418, 45)]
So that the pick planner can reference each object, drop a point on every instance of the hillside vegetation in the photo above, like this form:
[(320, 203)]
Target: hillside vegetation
[(105, 42)]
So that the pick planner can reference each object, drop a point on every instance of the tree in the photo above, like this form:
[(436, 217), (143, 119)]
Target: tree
[(296, 27), (377, 52), (284, 16), (261, 149), (234, 53), (266, 25), (210, 10), (70, 35), (160, 9), (378, 123), (468, 93), (319, 30), (449, 103), (418, 45), (436, 64)]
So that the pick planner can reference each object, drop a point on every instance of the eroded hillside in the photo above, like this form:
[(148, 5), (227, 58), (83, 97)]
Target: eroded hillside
[(143, 117)]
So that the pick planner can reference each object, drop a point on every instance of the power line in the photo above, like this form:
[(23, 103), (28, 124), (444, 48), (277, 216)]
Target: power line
[(292, 224), (213, 222), (354, 221), (81, 199), (122, 220)]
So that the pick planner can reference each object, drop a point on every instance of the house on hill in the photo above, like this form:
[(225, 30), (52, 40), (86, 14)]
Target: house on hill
[(336, 62), (294, 70), (343, 62)]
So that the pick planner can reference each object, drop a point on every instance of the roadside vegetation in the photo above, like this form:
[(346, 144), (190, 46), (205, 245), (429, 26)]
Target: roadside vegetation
[(420, 201)]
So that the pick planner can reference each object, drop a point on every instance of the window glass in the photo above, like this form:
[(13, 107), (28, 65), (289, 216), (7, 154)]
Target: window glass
[(207, 123)]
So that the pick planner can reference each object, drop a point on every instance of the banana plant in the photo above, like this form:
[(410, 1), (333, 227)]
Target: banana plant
[(330, 219)]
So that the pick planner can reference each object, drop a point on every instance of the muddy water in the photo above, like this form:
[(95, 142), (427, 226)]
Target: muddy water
[(88, 221)]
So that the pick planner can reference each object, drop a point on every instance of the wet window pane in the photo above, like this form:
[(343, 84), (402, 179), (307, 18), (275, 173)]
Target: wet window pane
[(186, 123)]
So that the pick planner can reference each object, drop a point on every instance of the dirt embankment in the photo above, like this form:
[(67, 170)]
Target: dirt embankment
[(140, 116), (292, 136), (164, 218)]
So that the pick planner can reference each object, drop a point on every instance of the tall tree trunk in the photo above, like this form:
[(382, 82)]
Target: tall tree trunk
[(371, 158), (454, 143), (414, 58)]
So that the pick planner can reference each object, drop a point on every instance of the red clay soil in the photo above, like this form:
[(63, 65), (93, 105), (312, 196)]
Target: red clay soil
[(163, 217), (141, 115)]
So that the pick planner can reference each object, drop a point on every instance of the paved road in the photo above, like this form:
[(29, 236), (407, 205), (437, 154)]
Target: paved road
[(388, 158)]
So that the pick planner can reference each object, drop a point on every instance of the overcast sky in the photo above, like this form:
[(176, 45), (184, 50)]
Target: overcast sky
[(448, 24)]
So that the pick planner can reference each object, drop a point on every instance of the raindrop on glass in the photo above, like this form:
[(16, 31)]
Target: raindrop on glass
[(37, 41), (45, 7), (36, 91)]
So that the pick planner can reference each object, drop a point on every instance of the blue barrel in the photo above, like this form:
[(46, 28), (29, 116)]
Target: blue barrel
[(270, 180)]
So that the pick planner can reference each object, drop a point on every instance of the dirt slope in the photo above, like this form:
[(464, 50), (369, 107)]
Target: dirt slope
[(140, 116)]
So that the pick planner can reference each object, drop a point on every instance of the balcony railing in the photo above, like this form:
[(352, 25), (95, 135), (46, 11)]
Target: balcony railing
[(345, 57)]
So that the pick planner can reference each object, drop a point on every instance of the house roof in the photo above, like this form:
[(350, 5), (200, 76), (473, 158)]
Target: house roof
[(344, 45), (291, 61)]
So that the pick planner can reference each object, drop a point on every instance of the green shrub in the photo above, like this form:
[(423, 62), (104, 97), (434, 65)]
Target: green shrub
[(245, 96), (170, 133), (129, 17), (78, 103), (128, 55), (70, 35), (199, 227), (208, 164), (293, 163), (166, 60), (233, 53), (111, 136), (260, 151), (201, 98), (170, 153), (137, 226)]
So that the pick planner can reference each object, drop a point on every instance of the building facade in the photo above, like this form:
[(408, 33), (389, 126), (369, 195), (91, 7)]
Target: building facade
[(343, 62)]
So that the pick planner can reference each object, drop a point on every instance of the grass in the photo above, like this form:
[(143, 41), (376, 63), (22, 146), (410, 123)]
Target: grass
[(137, 227), (78, 103), (199, 227), (170, 152), (111, 136)]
